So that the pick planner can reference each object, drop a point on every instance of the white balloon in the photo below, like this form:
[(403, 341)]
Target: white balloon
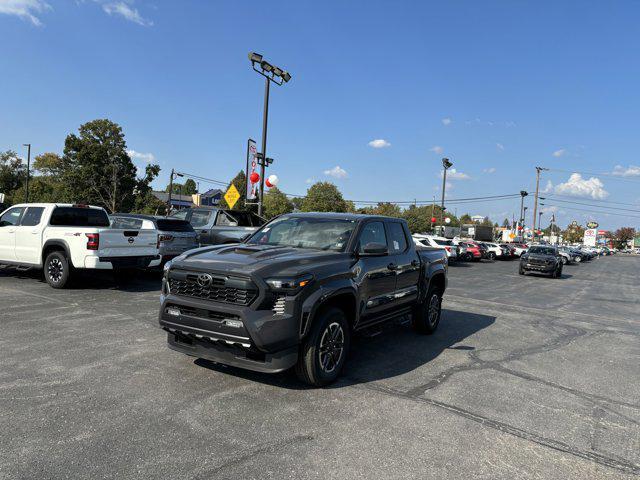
[(273, 180), (447, 220)]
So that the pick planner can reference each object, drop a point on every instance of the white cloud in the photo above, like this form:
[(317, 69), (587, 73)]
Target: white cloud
[(581, 187), (447, 121), (559, 153), (379, 143), (449, 186), (489, 170), (25, 9), (630, 171), (143, 157), (126, 11), (500, 146), (436, 149), (336, 172), (550, 209), (309, 181), (453, 174), (548, 187)]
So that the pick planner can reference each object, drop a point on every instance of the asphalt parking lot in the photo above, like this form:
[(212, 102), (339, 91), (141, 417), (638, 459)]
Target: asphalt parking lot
[(527, 377)]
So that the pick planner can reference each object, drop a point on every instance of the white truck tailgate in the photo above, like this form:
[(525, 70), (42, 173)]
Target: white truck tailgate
[(127, 243)]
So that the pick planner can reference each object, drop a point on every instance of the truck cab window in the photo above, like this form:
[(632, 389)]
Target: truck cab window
[(11, 217), (199, 218), (372, 232), (32, 217)]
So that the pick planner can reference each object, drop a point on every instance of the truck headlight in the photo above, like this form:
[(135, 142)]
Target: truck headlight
[(289, 285)]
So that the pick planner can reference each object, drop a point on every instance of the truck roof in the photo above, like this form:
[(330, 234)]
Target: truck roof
[(56, 205), (338, 216)]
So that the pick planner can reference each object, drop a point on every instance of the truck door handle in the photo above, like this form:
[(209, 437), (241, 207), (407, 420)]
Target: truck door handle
[(392, 266), (414, 263)]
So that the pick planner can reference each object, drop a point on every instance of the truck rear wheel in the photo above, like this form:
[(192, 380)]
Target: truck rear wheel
[(323, 354), (426, 315), (57, 269)]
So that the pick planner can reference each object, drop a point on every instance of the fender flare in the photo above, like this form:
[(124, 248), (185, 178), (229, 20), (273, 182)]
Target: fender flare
[(314, 302), (56, 243)]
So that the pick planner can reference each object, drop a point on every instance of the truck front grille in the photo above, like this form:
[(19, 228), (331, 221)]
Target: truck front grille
[(215, 292)]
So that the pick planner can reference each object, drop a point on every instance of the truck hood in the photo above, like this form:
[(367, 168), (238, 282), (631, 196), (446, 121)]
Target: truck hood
[(265, 260), (540, 258)]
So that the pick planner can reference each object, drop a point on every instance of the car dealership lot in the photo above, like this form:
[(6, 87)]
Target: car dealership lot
[(527, 377)]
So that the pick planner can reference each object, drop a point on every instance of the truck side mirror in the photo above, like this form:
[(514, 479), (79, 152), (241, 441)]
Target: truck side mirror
[(374, 249)]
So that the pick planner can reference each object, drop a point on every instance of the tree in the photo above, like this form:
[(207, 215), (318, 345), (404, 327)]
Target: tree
[(276, 203), (506, 223), (623, 235), (297, 202), (240, 181), (48, 186), (190, 187), (97, 168), (145, 201), (324, 197), (573, 234), (465, 219), (486, 221), (12, 175)]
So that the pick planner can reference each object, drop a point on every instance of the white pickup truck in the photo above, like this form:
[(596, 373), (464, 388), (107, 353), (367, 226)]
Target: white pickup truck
[(59, 238)]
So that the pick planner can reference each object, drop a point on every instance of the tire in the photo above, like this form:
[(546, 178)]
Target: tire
[(564, 260), (492, 256), (578, 259), (521, 270), (57, 269), (329, 337), (426, 315)]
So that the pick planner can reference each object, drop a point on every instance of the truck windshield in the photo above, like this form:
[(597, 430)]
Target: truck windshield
[(299, 232), (543, 250)]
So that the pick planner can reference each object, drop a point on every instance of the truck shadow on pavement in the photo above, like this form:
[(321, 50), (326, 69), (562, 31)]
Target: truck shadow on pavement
[(134, 281), (397, 350)]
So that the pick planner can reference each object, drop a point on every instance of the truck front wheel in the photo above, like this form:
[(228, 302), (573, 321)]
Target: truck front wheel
[(323, 354), (426, 315), (56, 269)]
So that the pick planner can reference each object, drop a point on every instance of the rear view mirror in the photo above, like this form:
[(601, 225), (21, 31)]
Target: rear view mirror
[(374, 249)]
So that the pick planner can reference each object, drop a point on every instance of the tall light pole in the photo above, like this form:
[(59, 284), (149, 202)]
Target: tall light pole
[(535, 201), (539, 222), (446, 165), (26, 183), (522, 195), (278, 76), (173, 174)]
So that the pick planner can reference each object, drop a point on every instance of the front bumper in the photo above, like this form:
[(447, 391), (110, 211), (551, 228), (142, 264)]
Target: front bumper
[(538, 268), (265, 342)]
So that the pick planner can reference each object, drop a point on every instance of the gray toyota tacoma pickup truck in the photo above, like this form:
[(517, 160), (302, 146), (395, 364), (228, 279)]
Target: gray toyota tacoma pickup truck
[(294, 293)]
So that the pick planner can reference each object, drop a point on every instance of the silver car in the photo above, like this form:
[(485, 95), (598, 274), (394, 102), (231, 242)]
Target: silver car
[(175, 236)]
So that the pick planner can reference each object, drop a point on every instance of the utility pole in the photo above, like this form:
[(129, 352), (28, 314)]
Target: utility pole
[(433, 207), (535, 202), (446, 165), (26, 183), (539, 222), (170, 191)]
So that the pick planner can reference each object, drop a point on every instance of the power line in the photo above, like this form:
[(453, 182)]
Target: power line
[(601, 174), (590, 211), (555, 195), (636, 210)]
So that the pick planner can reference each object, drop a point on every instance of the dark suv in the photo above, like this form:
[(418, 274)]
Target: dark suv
[(541, 259)]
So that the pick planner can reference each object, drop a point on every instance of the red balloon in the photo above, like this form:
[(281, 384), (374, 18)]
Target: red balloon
[(433, 219), (254, 177), (268, 183)]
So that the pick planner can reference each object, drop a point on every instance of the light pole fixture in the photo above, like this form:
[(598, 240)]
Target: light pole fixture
[(446, 165), (274, 74), (26, 183), (522, 195)]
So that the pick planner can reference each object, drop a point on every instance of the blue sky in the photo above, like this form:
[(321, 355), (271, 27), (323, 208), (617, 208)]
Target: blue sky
[(497, 86)]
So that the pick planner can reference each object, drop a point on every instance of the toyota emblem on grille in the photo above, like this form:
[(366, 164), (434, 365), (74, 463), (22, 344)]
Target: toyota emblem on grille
[(131, 240), (204, 280)]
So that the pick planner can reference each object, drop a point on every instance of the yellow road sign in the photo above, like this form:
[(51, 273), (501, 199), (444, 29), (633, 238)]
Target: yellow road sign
[(232, 196)]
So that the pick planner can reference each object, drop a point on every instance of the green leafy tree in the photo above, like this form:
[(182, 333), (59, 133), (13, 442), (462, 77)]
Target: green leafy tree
[(12, 175), (190, 187), (145, 201), (466, 219), (506, 223), (240, 181), (297, 202), (46, 183), (324, 197), (97, 168), (486, 221), (276, 203), (573, 234), (387, 209)]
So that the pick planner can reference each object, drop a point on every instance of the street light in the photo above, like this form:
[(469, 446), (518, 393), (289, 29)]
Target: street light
[(274, 74), (446, 165), (522, 195), (26, 183), (173, 174)]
